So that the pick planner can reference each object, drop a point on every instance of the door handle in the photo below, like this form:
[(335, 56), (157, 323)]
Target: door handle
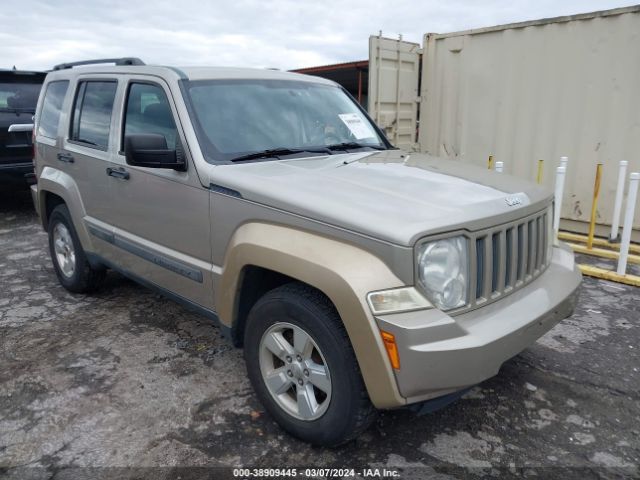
[(118, 173), (66, 157)]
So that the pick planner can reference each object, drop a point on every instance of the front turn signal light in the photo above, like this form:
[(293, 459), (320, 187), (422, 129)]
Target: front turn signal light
[(392, 349)]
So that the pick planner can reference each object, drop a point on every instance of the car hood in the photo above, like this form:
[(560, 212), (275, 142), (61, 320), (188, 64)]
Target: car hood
[(390, 195)]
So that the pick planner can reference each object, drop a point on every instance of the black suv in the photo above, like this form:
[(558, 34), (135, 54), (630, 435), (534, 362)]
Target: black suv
[(19, 92)]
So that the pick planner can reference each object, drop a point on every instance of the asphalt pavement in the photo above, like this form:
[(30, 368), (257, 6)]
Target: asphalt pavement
[(126, 378)]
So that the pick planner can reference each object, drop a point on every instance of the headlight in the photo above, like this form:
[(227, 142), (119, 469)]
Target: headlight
[(443, 272)]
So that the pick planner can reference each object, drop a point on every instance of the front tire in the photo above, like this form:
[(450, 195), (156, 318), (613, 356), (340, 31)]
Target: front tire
[(303, 368), (69, 260)]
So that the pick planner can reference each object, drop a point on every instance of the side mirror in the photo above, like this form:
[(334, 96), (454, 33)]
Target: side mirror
[(150, 150)]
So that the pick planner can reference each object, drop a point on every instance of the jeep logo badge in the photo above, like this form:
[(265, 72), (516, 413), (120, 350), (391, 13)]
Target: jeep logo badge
[(513, 200)]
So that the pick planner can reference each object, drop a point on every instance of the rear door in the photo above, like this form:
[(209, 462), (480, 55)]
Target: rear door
[(87, 150)]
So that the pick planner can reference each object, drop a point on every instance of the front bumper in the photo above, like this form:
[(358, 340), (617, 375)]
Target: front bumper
[(440, 354)]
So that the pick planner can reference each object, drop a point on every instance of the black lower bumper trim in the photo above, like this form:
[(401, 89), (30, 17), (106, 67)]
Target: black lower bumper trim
[(437, 403)]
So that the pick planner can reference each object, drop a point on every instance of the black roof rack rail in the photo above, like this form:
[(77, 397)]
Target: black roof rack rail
[(117, 61)]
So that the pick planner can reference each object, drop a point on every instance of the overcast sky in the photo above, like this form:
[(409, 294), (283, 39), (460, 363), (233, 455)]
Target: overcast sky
[(282, 34)]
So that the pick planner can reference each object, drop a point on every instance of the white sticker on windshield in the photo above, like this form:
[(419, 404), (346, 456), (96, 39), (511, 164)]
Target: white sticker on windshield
[(359, 129)]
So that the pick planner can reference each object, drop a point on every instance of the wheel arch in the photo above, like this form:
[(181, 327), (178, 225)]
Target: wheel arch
[(49, 202), (253, 284), (343, 272), (54, 188)]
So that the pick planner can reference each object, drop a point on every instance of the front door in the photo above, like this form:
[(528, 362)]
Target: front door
[(160, 217)]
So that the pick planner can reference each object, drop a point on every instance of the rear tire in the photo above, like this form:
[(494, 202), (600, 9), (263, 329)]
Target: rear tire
[(69, 260), (298, 312)]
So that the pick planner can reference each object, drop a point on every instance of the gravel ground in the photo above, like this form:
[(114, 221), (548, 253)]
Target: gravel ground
[(127, 378)]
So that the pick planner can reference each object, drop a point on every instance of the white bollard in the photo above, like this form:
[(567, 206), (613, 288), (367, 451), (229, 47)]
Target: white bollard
[(564, 161), (499, 167), (617, 206), (634, 179), (560, 174)]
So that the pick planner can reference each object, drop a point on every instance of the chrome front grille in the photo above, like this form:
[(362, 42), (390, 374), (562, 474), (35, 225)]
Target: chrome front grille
[(507, 257)]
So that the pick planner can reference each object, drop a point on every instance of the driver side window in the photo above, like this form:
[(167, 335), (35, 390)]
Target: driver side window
[(148, 111)]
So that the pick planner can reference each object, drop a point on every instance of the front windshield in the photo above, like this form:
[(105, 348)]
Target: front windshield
[(238, 117)]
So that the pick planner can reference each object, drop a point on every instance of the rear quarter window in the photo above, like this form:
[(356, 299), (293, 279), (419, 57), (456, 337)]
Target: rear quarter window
[(52, 108)]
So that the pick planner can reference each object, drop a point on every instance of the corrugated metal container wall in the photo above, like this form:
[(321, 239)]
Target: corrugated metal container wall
[(540, 90), (394, 72)]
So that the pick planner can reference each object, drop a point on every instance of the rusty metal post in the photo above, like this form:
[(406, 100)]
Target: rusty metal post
[(594, 205)]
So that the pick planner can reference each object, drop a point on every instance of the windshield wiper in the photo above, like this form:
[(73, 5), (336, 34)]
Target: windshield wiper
[(277, 152), (353, 145)]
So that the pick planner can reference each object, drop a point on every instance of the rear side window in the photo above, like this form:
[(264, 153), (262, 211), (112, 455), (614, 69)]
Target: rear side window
[(92, 113), (51, 108)]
